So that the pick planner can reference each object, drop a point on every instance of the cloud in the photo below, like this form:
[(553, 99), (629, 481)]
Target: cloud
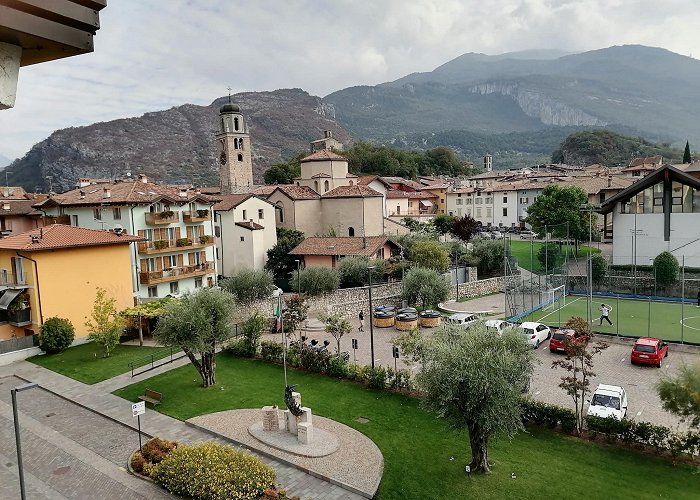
[(154, 55)]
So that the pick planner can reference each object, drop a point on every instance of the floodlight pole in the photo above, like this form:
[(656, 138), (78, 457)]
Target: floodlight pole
[(298, 276), (15, 417), (371, 316)]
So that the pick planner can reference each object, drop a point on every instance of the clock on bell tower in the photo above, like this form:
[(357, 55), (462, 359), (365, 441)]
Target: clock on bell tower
[(233, 146)]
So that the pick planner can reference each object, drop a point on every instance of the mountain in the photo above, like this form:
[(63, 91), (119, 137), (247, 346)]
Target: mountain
[(4, 161), (643, 90), (176, 145)]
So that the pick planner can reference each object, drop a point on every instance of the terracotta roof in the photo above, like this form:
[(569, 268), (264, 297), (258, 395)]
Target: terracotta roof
[(266, 191), (18, 207), (436, 185), (210, 190), (126, 193), (366, 179), (647, 160), (253, 226), (228, 201), (357, 191), (323, 155), (14, 193), (298, 192), (462, 190), (343, 246), (350, 175), (58, 236)]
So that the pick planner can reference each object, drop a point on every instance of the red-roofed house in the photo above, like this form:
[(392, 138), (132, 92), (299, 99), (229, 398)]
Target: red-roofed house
[(327, 251), (55, 271)]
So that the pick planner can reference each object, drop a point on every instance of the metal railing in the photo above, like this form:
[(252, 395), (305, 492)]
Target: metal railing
[(155, 360)]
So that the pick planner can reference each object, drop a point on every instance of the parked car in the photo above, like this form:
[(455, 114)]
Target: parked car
[(497, 326), (649, 351), (608, 401), (526, 234), (535, 333), (462, 319), (558, 341)]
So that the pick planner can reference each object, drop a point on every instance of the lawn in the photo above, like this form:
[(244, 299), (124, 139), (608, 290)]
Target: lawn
[(85, 362), (521, 250), (422, 459), (636, 318)]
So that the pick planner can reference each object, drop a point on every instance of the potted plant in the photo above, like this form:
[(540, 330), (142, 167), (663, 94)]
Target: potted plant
[(167, 214), (183, 242), (204, 239), (203, 213), (160, 244)]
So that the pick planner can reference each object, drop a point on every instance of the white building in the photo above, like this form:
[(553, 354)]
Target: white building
[(177, 222)]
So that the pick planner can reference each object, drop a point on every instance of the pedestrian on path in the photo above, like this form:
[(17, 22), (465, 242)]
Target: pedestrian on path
[(361, 317), (604, 313)]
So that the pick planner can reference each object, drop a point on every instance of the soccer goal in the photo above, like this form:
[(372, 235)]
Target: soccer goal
[(553, 297)]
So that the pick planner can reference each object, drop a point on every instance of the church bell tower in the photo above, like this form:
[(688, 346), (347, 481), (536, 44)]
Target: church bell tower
[(233, 150)]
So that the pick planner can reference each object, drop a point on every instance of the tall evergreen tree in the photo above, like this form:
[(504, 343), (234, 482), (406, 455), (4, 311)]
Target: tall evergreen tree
[(686, 154)]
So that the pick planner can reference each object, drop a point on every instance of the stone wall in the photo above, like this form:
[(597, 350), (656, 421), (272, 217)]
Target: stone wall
[(478, 288)]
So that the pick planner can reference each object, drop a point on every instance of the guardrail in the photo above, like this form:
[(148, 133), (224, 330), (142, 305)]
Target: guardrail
[(155, 360)]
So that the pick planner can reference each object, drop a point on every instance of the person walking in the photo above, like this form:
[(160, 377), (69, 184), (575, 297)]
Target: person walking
[(604, 313), (361, 317)]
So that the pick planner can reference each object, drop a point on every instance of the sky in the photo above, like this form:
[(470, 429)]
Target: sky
[(155, 54)]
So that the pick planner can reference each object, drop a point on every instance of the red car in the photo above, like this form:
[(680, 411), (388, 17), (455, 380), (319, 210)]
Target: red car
[(557, 342), (649, 351)]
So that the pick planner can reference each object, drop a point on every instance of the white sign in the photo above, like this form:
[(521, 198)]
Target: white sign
[(138, 408)]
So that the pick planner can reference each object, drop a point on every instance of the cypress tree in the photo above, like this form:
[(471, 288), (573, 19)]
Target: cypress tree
[(686, 154)]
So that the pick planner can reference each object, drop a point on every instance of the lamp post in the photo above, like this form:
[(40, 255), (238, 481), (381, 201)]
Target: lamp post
[(298, 276), (589, 208), (15, 416), (371, 316)]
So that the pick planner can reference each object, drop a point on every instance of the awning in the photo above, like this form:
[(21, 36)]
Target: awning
[(426, 203), (8, 297)]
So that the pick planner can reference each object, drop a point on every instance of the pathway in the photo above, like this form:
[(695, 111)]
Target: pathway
[(102, 413)]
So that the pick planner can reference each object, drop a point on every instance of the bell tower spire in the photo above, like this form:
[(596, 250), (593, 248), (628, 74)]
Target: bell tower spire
[(233, 150)]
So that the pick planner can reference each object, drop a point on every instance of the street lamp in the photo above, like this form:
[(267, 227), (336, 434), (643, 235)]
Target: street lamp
[(298, 276), (15, 417), (589, 208), (371, 316)]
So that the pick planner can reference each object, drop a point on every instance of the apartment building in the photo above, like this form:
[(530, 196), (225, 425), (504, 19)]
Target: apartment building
[(179, 252)]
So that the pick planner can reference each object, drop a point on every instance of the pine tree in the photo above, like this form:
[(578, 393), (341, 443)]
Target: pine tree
[(686, 154)]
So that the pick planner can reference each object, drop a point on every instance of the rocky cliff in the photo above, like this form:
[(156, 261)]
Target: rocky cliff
[(176, 145)]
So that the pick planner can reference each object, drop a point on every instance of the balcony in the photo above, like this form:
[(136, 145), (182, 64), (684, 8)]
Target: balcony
[(20, 318), (165, 217), (176, 273), (193, 216), (169, 246), (56, 219)]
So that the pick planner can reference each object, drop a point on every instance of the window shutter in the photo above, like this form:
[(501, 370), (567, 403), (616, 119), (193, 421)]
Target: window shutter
[(159, 263), (189, 233)]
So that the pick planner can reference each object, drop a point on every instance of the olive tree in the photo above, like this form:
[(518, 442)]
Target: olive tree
[(473, 381), (680, 394), (430, 254), (425, 286), (196, 324), (354, 271), (316, 281), (249, 285), (337, 325)]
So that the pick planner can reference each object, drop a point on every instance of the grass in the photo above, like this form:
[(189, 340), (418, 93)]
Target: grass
[(422, 459), (637, 318), (520, 249), (85, 362)]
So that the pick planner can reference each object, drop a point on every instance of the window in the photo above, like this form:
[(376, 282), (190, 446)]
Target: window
[(326, 185), (74, 220), (316, 186), (505, 199), (601, 197), (117, 213), (217, 231), (505, 212), (478, 201), (442, 200), (459, 201), (478, 212), (170, 261), (242, 238), (97, 213), (351, 231), (488, 200), (153, 291), (235, 123), (398, 209), (174, 287), (245, 216), (261, 214), (488, 211), (198, 282), (240, 157)]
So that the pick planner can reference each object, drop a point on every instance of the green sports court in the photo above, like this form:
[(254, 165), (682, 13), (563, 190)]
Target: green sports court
[(631, 317)]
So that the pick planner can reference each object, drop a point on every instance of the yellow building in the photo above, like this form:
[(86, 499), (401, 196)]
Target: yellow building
[(55, 271)]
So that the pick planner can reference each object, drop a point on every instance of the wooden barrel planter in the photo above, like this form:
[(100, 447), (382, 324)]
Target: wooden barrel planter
[(404, 310), (406, 321), (384, 319), (429, 319)]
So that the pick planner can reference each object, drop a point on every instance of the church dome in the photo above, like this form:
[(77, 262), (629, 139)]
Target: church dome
[(229, 107)]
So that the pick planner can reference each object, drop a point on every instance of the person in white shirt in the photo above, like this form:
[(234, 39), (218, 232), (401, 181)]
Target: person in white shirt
[(604, 313)]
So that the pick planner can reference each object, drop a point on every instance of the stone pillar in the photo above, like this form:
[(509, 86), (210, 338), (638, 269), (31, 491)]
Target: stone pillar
[(291, 422), (306, 433), (271, 422), (306, 416), (10, 58)]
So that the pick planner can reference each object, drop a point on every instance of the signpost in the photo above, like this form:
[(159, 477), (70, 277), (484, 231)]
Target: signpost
[(138, 409), (354, 349)]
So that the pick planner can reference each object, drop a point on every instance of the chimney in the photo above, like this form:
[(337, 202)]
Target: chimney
[(183, 193), (609, 180), (143, 178), (327, 134), (82, 194), (198, 191), (5, 206), (83, 182), (106, 193)]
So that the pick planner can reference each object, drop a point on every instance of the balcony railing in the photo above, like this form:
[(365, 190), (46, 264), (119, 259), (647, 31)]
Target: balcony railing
[(20, 318), (166, 217), (196, 216), (56, 219), (165, 246), (9, 279), (176, 273)]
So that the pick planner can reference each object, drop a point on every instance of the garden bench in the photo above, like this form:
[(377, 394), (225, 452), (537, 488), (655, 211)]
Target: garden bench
[(150, 396)]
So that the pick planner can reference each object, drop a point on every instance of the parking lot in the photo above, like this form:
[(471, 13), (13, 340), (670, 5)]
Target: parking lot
[(612, 367)]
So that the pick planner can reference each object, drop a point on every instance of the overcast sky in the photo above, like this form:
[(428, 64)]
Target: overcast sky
[(151, 55)]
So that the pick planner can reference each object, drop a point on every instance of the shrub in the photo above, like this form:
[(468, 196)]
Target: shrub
[(429, 254), (253, 328), (213, 471), (376, 377), (354, 271), (160, 244), (56, 335), (425, 287), (156, 449), (546, 414), (271, 351), (237, 348), (666, 269), (337, 367), (249, 285), (599, 266), (183, 242), (316, 281), (313, 360), (137, 462)]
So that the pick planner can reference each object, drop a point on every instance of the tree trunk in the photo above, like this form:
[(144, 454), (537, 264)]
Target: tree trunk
[(208, 368), (479, 444)]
